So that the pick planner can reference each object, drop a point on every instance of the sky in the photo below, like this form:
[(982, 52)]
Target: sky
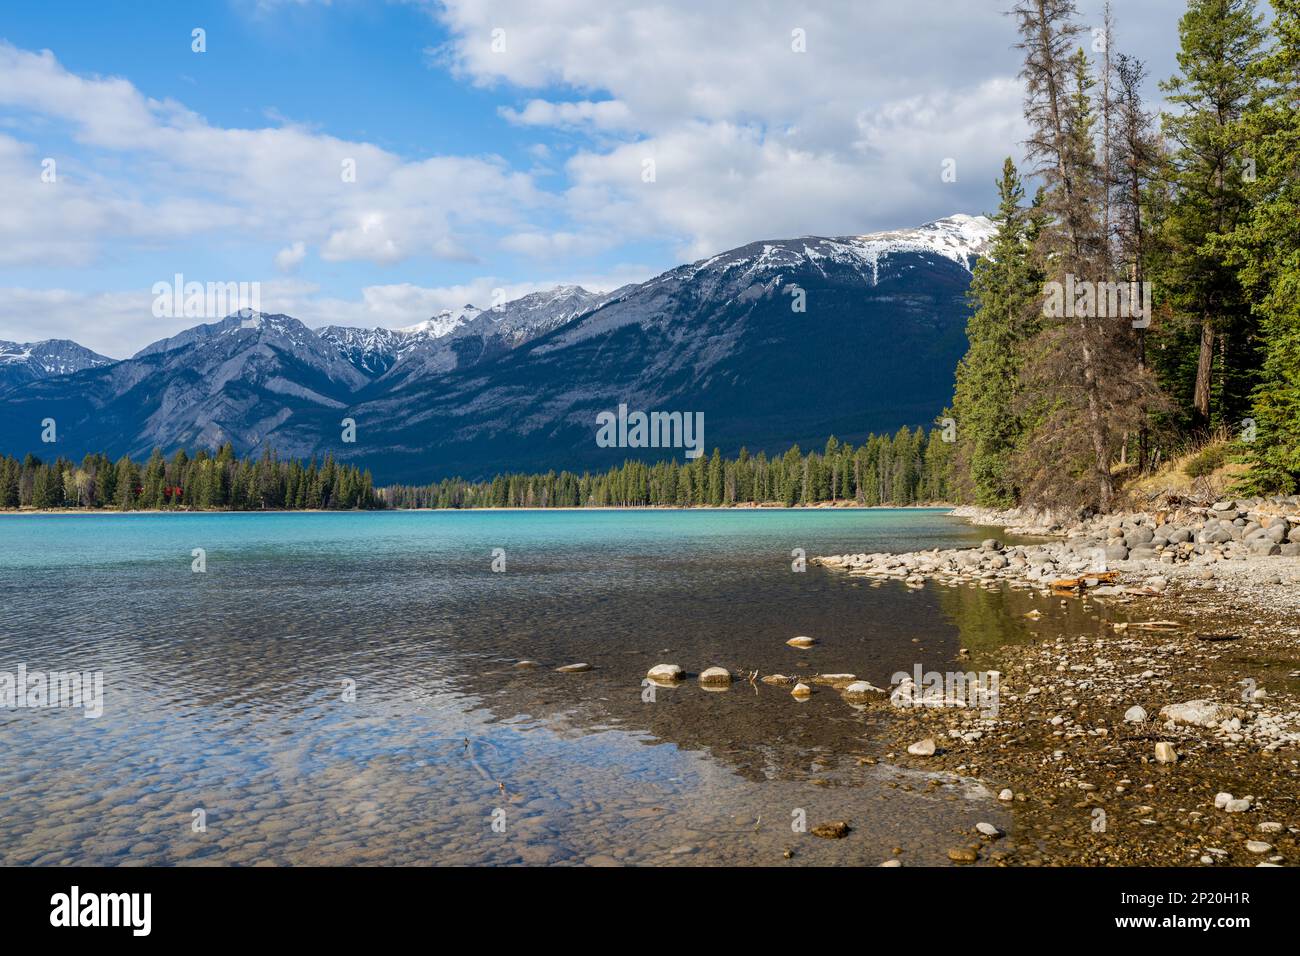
[(371, 163)]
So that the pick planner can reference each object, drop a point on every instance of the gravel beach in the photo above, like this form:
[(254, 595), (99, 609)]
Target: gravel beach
[(1153, 719)]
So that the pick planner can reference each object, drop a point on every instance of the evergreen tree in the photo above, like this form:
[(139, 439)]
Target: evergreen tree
[(1071, 361), (1266, 247), (1004, 295), (1221, 46)]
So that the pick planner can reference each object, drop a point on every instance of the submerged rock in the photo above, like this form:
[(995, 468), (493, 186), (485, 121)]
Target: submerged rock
[(834, 830), (573, 668), (801, 642), (665, 672), (715, 675)]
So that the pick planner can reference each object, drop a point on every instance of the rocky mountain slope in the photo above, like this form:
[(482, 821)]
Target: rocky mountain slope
[(775, 342), (22, 362)]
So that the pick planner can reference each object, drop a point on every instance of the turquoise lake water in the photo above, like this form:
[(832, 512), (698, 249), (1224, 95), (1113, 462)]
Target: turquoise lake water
[(343, 688)]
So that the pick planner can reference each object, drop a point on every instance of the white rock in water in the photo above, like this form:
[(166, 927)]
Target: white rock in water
[(1165, 752), (988, 829), (1258, 846), (1269, 828), (860, 688), (892, 863), (801, 642), (1006, 794), (922, 748), (1135, 715), (1198, 713), (715, 675), (665, 672), (1238, 806), (801, 690), (573, 668), (1221, 800)]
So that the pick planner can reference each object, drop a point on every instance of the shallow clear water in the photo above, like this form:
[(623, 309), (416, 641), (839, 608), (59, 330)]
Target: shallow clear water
[(225, 690)]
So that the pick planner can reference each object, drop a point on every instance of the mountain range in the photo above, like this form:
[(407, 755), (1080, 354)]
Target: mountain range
[(22, 362), (776, 342)]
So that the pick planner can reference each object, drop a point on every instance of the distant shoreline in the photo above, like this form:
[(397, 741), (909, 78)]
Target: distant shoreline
[(825, 506)]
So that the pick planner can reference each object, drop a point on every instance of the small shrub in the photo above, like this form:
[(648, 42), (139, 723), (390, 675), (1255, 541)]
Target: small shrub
[(1206, 461)]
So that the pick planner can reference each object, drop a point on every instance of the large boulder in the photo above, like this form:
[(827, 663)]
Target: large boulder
[(1139, 536)]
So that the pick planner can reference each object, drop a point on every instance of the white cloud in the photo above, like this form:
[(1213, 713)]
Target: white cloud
[(290, 258), (269, 181), (750, 140), (753, 139), (62, 219), (538, 244), (607, 114), (718, 185)]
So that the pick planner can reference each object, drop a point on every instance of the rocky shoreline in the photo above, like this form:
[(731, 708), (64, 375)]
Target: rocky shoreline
[(1156, 722), (1224, 542)]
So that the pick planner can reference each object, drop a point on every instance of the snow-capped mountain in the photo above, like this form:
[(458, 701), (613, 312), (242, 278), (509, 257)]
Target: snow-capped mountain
[(961, 238), (453, 339), (444, 323), (539, 312), (371, 351), (494, 332), (22, 362), (776, 342), (881, 330), (248, 378)]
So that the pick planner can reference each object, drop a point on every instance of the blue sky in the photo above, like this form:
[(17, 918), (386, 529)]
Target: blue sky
[(500, 147)]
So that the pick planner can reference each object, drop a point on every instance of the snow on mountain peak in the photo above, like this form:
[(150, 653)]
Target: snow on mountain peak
[(958, 237), (27, 361), (444, 323)]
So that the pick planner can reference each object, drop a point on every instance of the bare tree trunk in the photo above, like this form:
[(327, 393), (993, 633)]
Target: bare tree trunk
[(1204, 368), (1107, 122), (1097, 428)]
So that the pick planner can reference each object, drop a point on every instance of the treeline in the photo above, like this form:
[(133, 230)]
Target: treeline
[(907, 468), (220, 482), (1199, 207)]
